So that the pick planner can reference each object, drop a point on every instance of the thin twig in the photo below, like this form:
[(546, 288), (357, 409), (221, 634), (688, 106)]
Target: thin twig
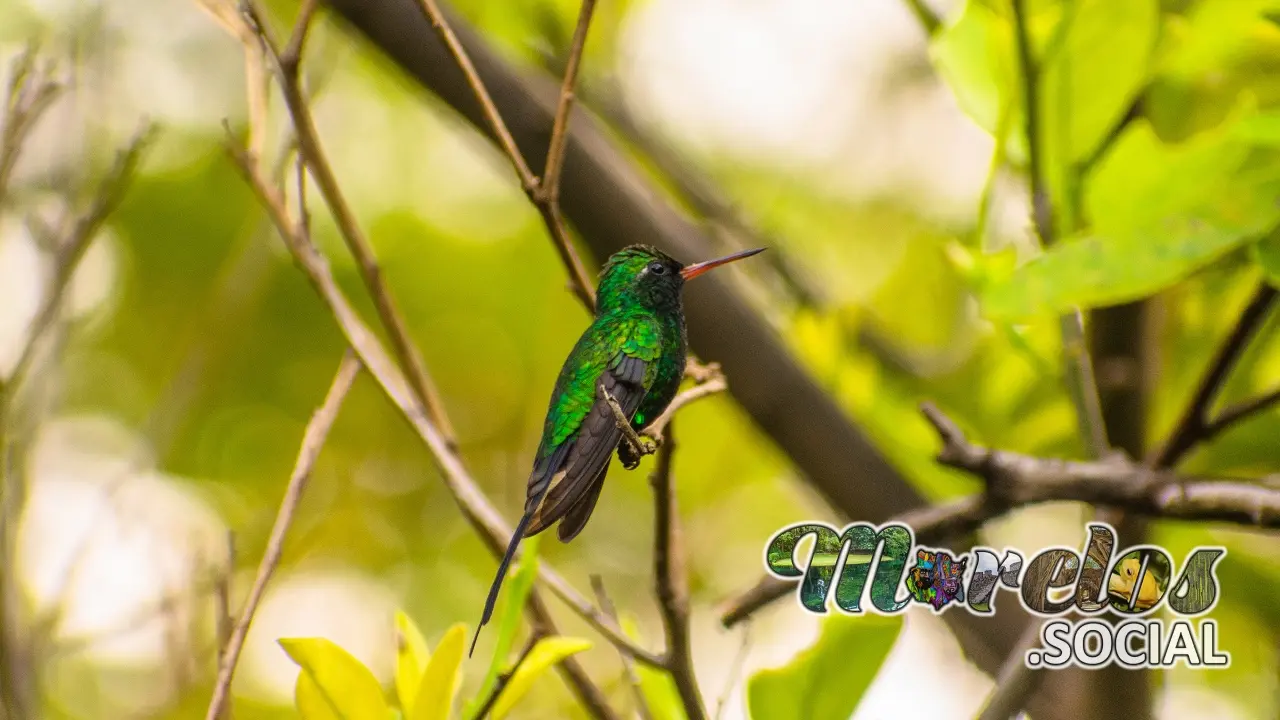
[(313, 439), (309, 146), (547, 204), (72, 249), (671, 582), (1194, 425), (222, 606), (30, 92), (735, 671), (549, 187), (710, 385), (1238, 413), (628, 662), (505, 677)]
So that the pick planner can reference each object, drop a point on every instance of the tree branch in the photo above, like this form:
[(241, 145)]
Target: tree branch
[(31, 91), (671, 582), (475, 507), (1195, 426), (313, 440), (309, 147), (545, 200), (1015, 480)]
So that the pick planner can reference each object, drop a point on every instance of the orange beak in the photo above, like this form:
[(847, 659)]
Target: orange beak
[(692, 271)]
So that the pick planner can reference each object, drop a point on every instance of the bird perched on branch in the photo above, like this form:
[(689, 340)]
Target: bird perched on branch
[(629, 361)]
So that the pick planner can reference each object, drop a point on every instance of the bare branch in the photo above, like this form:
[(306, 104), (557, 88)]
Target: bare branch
[(72, 248), (1015, 480), (735, 670), (318, 163), (671, 582), (31, 91), (711, 384), (1195, 427), (313, 440), (547, 203), (549, 188)]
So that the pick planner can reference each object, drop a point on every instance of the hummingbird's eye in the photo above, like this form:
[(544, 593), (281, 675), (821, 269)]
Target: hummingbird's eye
[(657, 268)]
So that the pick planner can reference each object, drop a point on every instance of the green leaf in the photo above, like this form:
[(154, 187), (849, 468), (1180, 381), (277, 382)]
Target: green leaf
[(412, 657), (1097, 271), (1159, 212), (975, 56), (827, 680), (339, 681), (1091, 78), (509, 620), (545, 655), (439, 682)]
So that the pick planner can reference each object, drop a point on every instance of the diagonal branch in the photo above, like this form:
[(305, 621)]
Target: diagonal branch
[(30, 92), (287, 65), (72, 249), (312, 441), (544, 195), (1195, 426)]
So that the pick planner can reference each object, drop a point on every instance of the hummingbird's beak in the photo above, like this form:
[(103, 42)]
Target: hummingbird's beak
[(692, 271)]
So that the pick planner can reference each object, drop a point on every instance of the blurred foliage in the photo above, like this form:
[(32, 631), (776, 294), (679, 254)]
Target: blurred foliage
[(214, 351), (827, 680)]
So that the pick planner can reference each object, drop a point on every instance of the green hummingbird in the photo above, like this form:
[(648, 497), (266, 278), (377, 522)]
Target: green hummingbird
[(634, 351)]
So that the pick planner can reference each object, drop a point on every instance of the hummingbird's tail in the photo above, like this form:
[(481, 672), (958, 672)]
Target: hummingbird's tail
[(502, 573)]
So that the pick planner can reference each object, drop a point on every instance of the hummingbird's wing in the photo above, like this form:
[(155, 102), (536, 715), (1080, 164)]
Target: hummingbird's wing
[(579, 482)]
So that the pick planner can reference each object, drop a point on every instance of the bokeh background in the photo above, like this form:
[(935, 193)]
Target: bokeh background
[(169, 411)]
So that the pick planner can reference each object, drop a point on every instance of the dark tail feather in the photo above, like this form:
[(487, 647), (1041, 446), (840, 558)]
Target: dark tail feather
[(502, 573)]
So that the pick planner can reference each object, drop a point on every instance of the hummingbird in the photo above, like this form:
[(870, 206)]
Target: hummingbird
[(634, 352)]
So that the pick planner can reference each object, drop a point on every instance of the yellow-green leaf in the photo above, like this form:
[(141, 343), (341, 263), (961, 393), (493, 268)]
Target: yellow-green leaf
[(311, 701), (545, 655), (439, 682), (847, 655), (347, 686), (412, 657)]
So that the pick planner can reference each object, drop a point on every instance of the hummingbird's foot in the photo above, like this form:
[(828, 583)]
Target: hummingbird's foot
[(635, 445)]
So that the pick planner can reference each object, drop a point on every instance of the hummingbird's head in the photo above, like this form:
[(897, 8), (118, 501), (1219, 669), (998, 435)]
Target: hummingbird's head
[(646, 276)]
